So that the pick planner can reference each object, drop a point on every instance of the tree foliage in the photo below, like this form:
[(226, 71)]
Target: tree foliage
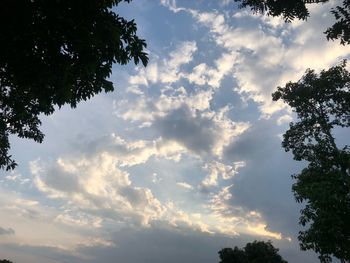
[(322, 103), (297, 9), (5, 261), (55, 53), (341, 28), (255, 252)]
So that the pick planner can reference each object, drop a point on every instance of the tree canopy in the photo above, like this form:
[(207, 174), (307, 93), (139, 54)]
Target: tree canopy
[(322, 104), (55, 53), (255, 252), (297, 9)]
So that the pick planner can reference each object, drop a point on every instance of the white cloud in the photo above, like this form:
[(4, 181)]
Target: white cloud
[(212, 76), (198, 75), (218, 169), (166, 70), (146, 109), (51, 230), (134, 152), (284, 119), (261, 230), (78, 219), (182, 55), (185, 117), (98, 186), (232, 220), (182, 219), (100, 192), (16, 177), (264, 52), (184, 185)]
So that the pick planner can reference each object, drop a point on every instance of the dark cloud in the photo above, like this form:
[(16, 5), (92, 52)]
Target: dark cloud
[(256, 143), (61, 180), (6, 231), (162, 243), (158, 244), (196, 132), (267, 175)]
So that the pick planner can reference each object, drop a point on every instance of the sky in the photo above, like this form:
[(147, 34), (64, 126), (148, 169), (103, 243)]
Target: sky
[(184, 158)]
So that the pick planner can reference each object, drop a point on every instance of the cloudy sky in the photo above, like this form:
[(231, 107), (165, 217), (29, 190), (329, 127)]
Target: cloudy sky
[(183, 158)]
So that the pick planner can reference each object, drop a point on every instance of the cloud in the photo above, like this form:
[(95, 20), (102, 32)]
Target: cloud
[(78, 219), (166, 70), (100, 193), (234, 219), (184, 116), (167, 245), (176, 246), (195, 131), (203, 74), (67, 229), (284, 119), (52, 254), (263, 52), (182, 55), (16, 177), (184, 185), (6, 231), (266, 164), (97, 186), (203, 133), (217, 169), (169, 71), (133, 152), (147, 109)]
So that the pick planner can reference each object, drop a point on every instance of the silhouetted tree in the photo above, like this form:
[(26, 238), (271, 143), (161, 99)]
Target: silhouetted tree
[(256, 252), (322, 103), (55, 53), (297, 9), (5, 261), (229, 255)]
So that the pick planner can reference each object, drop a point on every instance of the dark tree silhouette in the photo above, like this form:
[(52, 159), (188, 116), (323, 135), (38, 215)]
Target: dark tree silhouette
[(297, 9), (236, 255), (256, 252), (5, 261), (55, 53), (322, 103)]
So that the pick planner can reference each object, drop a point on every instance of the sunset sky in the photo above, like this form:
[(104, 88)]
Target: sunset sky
[(184, 158)]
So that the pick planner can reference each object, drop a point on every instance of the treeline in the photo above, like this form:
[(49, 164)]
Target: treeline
[(255, 252)]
